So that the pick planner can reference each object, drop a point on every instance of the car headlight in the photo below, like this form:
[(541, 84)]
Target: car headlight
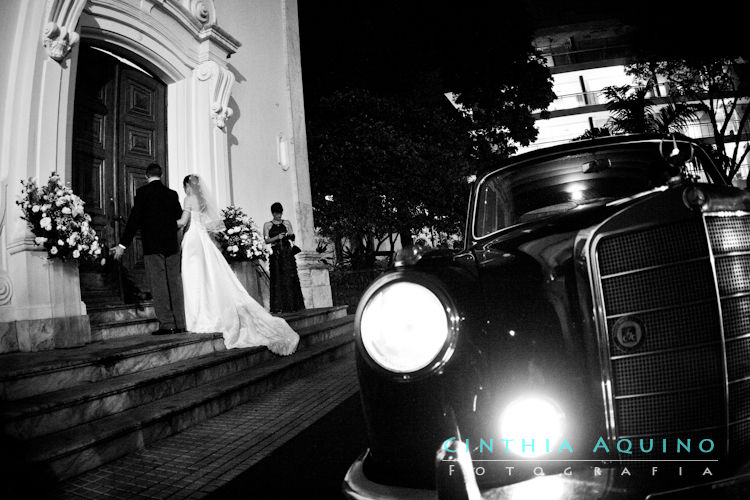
[(404, 327), (530, 422)]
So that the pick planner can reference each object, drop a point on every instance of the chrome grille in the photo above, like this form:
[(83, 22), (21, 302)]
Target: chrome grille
[(730, 243), (690, 373)]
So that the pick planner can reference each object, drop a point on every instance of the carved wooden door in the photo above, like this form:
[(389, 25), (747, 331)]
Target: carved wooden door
[(119, 128)]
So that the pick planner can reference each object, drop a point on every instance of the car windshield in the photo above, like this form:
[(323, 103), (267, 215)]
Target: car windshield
[(558, 183)]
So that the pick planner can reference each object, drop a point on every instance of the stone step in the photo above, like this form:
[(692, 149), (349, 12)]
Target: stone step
[(52, 412), (25, 374), (124, 328), (84, 447), (122, 312), (110, 322), (310, 317), (114, 322)]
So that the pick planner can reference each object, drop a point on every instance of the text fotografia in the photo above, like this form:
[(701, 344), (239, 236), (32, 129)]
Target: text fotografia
[(625, 446), (567, 470)]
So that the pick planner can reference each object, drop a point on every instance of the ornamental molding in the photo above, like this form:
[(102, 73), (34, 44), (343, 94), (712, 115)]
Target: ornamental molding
[(196, 17), (6, 286), (58, 35), (204, 11), (221, 80)]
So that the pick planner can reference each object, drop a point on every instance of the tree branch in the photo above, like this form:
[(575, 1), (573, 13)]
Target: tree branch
[(738, 137)]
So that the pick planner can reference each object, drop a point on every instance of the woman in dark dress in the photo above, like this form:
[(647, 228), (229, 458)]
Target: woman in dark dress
[(286, 294)]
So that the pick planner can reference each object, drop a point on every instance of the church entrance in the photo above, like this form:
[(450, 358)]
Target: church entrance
[(119, 127)]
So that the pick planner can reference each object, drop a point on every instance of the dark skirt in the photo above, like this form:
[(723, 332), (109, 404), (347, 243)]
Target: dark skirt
[(286, 293)]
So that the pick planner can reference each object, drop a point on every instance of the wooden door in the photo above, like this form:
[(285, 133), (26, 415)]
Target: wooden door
[(119, 128)]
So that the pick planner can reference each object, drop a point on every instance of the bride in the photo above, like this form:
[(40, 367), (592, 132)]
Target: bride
[(215, 300)]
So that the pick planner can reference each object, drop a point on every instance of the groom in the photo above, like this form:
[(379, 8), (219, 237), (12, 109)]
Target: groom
[(156, 209)]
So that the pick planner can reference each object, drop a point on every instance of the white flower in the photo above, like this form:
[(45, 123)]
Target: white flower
[(60, 242), (72, 239), (46, 223), (53, 250), (66, 210), (76, 254), (40, 240), (35, 208)]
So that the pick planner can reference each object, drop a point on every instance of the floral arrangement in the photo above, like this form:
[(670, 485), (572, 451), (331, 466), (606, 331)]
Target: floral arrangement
[(241, 240), (56, 217)]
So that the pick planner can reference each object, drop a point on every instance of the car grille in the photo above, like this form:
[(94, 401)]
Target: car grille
[(687, 286)]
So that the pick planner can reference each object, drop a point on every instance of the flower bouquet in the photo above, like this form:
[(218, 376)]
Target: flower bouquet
[(56, 218), (241, 240)]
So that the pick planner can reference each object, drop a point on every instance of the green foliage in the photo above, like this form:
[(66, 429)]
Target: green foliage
[(379, 164), (718, 89), (593, 134), (634, 112)]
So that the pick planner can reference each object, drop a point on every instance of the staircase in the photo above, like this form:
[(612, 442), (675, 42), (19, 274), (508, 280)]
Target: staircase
[(72, 410)]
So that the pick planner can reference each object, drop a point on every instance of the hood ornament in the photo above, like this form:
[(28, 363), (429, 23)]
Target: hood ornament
[(677, 159)]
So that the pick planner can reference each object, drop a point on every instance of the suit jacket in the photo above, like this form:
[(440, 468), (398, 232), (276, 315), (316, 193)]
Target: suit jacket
[(155, 212)]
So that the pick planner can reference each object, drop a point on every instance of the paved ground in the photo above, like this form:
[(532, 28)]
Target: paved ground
[(204, 458), (310, 466)]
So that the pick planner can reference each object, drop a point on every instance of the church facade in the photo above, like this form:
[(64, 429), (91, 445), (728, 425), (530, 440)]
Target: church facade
[(95, 90)]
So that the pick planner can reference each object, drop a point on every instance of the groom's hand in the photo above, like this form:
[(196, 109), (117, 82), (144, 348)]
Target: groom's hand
[(117, 252)]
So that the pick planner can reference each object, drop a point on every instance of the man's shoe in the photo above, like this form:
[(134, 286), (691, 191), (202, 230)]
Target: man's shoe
[(163, 331), (179, 330)]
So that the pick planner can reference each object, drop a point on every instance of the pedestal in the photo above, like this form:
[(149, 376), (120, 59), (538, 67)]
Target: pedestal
[(45, 311), (253, 278), (314, 280)]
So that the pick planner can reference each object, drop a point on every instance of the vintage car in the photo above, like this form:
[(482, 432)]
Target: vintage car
[(591, 340)]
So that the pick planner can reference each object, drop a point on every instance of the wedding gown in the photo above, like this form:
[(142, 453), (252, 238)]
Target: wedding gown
[(215, 300)]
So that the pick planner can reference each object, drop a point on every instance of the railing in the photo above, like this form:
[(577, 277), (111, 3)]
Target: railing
[(347, 287), (563, 56), (569, 101), (579, 99)]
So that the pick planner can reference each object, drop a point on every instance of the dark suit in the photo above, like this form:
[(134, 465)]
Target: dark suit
[(156, 209)]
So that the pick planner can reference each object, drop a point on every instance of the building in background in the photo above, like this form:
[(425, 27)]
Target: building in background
[(584, 59), (96, 90)]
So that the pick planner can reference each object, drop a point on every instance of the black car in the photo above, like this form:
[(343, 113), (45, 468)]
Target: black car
[(591, 340)]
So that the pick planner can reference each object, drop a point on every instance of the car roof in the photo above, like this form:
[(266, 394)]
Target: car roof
[(587, 143)]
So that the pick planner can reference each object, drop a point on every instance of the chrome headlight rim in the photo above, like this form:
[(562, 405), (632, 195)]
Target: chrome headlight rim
[(451, 315)]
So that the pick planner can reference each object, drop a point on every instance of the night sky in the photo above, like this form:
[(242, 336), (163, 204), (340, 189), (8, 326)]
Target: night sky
[(380, 43)]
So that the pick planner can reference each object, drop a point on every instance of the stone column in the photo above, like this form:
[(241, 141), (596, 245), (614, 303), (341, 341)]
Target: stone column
[(316, 287), (41, 307)]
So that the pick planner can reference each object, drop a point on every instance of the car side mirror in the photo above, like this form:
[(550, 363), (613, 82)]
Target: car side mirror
[(594, 166)]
